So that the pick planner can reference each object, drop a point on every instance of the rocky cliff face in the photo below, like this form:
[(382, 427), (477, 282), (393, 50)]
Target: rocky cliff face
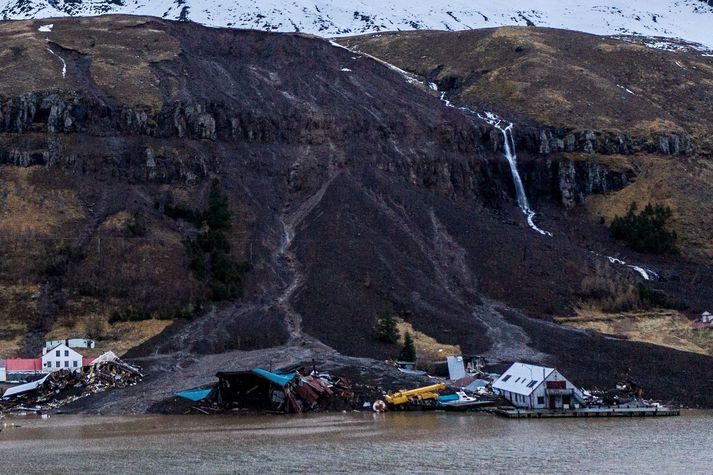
[(548, 140), (49, 123)]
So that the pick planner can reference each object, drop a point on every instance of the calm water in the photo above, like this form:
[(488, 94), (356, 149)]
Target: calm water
[(391, 443)]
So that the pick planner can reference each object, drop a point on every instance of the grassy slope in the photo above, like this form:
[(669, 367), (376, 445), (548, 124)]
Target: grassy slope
[(660, 327)]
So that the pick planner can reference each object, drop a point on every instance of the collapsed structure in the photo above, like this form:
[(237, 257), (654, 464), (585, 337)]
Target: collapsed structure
[(64, 386), (289, 390), (56, 355)]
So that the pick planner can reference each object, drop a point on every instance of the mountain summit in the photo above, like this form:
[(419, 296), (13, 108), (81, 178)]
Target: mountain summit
[(685, 19)]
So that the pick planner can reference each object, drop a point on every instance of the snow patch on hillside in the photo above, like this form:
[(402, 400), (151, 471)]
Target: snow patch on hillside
[(686, 19)]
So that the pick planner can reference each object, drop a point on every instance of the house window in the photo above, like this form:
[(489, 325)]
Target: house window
[(56, 364), (532, 383), (523, 381), (74, 363), (66, 364), (540, 399), (49, 364), (506, 378), (66, 352), (57, 353)]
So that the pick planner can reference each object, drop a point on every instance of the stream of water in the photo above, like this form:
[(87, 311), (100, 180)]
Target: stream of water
[(510, 153)]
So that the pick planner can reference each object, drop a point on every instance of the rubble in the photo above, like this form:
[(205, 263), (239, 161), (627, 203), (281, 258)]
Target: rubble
[(291, 391), (64, 386)]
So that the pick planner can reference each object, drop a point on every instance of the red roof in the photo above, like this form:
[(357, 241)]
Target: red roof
[(87, 360), (23, 364)]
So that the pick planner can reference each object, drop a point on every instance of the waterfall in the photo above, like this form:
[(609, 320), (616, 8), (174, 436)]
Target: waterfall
[(511, 155), (647, 274), (490, 118)]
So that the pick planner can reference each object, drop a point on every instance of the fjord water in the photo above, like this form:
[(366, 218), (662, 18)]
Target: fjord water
[(357, 443)]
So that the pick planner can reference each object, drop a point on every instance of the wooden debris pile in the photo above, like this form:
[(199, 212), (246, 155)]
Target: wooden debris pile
[(64, 386)]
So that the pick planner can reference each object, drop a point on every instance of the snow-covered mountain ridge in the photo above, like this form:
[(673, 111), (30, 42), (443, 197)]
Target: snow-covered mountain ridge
[(690, 20)]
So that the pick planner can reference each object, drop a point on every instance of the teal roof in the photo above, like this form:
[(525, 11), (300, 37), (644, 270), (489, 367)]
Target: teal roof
[(195, 394), (278, 379)]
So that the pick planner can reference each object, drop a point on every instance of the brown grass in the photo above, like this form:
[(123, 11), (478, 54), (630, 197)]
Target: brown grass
[(660, 327), (427, 348), (118, 337), (28, 209), (568, 79), (121, 57), (18, 307), (607, 291)]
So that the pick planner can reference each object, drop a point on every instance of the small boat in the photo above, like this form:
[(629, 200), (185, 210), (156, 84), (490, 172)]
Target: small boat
[(460, 401)]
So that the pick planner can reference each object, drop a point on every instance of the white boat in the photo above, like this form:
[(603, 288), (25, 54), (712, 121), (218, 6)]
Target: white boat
[(463, 402)]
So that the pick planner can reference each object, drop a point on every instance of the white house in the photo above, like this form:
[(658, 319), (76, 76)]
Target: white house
[(60, 357), (3, 372), (707, 317), (537, 387)]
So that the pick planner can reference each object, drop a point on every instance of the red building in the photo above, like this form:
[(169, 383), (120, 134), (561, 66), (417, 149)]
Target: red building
[(19, 369)]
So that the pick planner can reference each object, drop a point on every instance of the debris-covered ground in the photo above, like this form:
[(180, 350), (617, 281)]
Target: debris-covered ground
[(63, 387), (318, 378)]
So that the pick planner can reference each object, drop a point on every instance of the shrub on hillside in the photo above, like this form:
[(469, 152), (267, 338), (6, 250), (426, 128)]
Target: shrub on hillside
[(608, 291), (211, 261), (408, 352), (137, 227), (386, 329), (645, 231)]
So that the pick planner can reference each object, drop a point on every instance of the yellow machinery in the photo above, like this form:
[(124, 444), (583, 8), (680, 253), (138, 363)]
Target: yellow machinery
[(425, 396)]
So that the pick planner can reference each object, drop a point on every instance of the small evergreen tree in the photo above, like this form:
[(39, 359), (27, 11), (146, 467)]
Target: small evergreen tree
[(408, 352), (645, 231), (218, 213), (386, 329), (211, 261)]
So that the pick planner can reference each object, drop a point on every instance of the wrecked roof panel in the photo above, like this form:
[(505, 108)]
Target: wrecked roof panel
[(278, 379), (196, 394), (24, 388)]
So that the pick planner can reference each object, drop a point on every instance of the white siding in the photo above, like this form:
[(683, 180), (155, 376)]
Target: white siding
[(61, 357), (535, 397)]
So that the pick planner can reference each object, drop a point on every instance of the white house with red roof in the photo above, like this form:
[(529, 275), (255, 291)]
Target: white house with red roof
[(59, 356)]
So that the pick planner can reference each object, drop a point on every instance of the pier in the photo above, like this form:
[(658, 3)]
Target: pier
[(608, 411)]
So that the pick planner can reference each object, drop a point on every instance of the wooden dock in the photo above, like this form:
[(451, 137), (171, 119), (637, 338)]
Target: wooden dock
[(609, 411)]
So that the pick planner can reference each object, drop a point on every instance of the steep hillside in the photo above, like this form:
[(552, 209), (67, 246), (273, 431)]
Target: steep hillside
[(351, 190), (616, 101), (686, 19)]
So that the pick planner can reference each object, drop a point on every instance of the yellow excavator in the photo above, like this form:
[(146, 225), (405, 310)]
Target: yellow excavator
[(420, 397)]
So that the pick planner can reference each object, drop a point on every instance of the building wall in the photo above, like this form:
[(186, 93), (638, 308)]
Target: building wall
[(61, 357), (539, 399), (72, 343), (3, 374)]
